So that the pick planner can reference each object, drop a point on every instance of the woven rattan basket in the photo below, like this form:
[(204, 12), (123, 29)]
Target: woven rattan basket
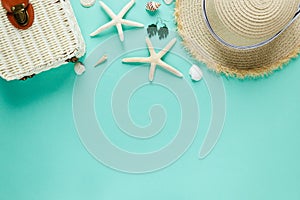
[(53, 39)]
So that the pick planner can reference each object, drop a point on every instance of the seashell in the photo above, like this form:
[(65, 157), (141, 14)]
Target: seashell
[(87, 3), (79, 68), (168, 1), (195, 73), (101, 60), (152, 6)]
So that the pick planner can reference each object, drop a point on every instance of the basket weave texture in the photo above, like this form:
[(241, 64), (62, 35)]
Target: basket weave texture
[(53, 39)]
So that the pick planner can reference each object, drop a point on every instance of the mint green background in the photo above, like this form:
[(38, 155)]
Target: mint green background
[(257, 156)]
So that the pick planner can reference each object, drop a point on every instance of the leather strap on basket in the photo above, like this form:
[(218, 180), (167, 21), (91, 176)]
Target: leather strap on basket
[(19, 12)]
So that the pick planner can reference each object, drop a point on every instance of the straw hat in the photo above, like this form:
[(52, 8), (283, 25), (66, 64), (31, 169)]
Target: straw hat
[(240, 37)]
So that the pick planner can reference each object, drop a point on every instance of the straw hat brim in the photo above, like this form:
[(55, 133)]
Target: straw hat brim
[(256, 62)]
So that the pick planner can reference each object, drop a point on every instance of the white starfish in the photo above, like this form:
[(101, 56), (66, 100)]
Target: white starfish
[(155, 59), (117, 20)]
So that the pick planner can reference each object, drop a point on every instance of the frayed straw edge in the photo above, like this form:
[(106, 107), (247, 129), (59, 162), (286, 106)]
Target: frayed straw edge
[(234, 72)]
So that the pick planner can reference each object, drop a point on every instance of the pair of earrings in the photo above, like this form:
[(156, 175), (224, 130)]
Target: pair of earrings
[(162, 32)]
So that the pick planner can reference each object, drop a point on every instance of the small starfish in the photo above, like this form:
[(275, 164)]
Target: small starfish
[(155, 59), (117, 20)]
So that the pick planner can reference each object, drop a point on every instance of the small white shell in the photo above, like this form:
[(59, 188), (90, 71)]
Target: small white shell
[(87, 3), (152, 6), (79, 68), (101, 60), (168, 1), (195, 73)]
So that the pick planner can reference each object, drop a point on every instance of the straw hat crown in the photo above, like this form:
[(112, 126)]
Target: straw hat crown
[(247, 22)]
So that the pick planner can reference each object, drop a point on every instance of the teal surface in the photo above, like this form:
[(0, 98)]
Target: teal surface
[(43, 157)]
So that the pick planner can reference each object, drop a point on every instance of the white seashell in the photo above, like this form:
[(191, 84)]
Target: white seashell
[(101, 60), (152, 6), (87, 3), (168, 1), (196, 73), (79, 68)]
